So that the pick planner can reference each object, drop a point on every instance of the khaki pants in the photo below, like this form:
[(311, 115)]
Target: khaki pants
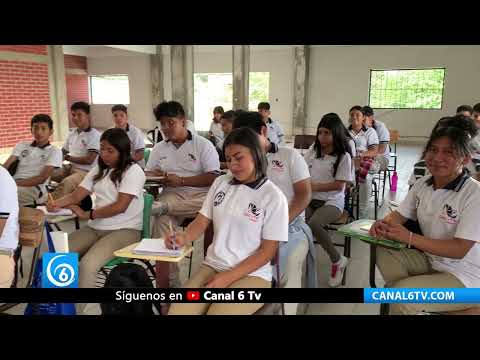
[(69, 179), (201, 278), (7, 269), (29, 195), (410, 268), (180, 206), (96, 247)]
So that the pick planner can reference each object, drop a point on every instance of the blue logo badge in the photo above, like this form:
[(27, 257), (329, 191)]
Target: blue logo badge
[(60, 270)]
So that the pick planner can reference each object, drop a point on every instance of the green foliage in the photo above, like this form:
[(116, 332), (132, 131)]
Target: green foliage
[(407, 89)]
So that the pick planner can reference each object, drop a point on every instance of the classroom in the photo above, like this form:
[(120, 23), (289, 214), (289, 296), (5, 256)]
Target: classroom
[(242, 166)]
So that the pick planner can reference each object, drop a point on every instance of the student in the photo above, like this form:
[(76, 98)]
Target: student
[(250, 216), (275, 132), (9, 228), (117, 219), (216, 134), (446, 205), (80, 149), (227, 126), (35, 162), (383, 151), (476, 140), (136, 136), (287, 169), (366, 145), (330, 164), (190, 164), (465, 110)]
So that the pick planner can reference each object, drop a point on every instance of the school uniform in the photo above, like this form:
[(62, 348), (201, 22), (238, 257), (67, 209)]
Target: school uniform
[(383, 139), (9, 218), (420, 170), (79, 143), (137, 141), (32, 160), (216, 130), (274, 132), (101, 237), (327, 206), (445, 213), (285, 168), (195, 156), (365, 139), (243, 215)]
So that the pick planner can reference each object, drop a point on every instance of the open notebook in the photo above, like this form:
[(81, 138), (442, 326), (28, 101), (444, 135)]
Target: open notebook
[(61, 212), (156, 247)]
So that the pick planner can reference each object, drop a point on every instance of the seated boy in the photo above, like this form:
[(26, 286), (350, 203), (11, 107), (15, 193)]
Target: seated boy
[(35, 162), (81, 149)]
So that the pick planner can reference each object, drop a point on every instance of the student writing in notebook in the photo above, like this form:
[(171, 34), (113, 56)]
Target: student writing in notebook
[(116, 221), (250, 218)]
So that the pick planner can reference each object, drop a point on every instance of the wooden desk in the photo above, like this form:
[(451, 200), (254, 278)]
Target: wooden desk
[(162, 263)]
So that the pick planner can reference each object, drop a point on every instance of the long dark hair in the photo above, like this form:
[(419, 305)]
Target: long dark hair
[(249, 138), (118, 138), (332, 122)]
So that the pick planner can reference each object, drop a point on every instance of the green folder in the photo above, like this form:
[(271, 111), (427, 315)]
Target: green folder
[(359, 230)]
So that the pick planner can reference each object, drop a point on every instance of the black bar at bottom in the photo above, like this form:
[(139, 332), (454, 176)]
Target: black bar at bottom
[(104, 295)]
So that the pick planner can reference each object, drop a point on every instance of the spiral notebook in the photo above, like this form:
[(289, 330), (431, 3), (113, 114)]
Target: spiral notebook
[(156, 247)]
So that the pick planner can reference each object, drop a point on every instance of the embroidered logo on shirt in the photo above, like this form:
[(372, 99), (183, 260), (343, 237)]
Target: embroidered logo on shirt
[(24, 153), (43, 156), (84, 143), (253, 212), (192, 157), (218, 198), (278, 165), (449, 214)]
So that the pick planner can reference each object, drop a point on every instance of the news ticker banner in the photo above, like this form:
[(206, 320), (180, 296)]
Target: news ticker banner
[(322, 295)]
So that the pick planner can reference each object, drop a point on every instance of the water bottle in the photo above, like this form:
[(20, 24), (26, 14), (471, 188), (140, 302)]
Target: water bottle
[(393, 183)]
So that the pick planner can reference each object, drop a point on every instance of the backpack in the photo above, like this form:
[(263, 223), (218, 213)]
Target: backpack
[(128, 275)]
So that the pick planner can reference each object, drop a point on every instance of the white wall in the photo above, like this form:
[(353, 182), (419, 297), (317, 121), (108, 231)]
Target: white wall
[(340, 75), (138, 70), (278, 62)]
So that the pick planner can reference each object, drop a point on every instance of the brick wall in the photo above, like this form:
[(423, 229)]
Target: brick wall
[(24, 92), (77, 84)]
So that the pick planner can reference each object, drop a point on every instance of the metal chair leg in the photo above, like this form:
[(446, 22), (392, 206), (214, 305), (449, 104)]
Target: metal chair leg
[(373, 261)]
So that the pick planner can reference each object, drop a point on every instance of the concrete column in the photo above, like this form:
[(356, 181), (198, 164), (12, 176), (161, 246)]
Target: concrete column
[(241, 70), (300, 91), (182, 77), (58, 92), (158, 91)]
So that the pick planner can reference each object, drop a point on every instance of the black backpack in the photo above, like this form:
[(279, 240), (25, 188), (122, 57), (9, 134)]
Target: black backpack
[(128, 275)]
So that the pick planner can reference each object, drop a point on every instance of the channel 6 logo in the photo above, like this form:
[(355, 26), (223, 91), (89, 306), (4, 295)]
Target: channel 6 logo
[(60, 270)]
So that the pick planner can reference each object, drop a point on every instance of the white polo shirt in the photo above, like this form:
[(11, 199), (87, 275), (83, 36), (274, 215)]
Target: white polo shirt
[(286, 167), (8, 211), (447, 213), (137, 140), (244, 215), (79, 143), (383, 137), (33, 159), (321, 171), (365, 138), (216, 130), (274, 132), (476, 147), (106, 193), (195, 156)]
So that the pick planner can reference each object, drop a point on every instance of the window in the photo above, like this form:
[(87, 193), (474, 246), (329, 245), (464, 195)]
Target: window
[(406, 89), (109, 89), (216, 89)]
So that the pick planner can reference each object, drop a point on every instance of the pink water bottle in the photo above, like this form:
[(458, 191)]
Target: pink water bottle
[(393, 183)]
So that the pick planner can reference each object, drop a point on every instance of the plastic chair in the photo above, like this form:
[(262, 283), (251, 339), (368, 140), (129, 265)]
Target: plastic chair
[(303, 142), (273, 308)]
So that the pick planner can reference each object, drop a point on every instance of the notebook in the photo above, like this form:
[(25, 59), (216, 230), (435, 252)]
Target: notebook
[(156, 247), (155, 178), (360, 230), (61, 212)]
